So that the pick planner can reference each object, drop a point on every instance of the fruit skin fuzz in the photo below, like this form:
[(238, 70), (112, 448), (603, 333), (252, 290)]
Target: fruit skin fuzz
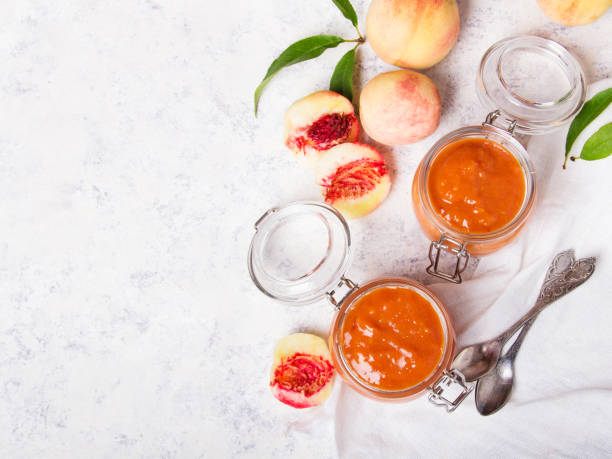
[(318, 122), (400, 107), (302, 373), (413, 34), (574, 12)]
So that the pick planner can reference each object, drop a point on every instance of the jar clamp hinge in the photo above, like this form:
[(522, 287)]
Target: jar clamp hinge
[(350, 288), (263, 217), (450, 390), (490, 120), (459, 251)]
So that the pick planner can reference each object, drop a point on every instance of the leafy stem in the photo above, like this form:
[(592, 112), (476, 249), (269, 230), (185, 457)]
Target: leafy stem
[(590, 110), (311, 47), (300, 51), (598, 146), (359, 33)]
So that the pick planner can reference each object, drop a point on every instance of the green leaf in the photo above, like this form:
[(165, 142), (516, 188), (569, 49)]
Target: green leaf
[(342, 78), (347, 10), (599, 145), (589, 112), (302, 50)]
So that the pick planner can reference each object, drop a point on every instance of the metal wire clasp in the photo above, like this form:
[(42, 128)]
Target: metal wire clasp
[(491, 117), (450, 390), (343, 282), (460, 252), (262, 218)]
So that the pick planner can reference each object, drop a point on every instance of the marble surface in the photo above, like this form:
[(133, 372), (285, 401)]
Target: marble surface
[(131, 172)]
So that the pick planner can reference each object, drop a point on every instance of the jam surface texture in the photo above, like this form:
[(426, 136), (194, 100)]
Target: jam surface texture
[(476, 185), (392, 338)]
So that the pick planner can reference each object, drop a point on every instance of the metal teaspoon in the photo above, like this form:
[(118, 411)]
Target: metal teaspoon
[(493, 389), (476, 360)]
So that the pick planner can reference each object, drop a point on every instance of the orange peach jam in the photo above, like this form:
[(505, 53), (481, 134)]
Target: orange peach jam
[(476, 185), (392, 338)]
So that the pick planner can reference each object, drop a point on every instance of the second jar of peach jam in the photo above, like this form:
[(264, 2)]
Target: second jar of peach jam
[(474, 190), (391, 339)]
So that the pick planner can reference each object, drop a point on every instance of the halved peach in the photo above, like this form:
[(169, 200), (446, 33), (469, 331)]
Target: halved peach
[(317, 122), (302, 372), (354, 178)]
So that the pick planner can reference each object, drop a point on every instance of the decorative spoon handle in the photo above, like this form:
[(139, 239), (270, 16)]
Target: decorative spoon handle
[(555, 287)]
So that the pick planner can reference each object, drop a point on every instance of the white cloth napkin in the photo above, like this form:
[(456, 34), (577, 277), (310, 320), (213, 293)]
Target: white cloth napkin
[(562, 399)]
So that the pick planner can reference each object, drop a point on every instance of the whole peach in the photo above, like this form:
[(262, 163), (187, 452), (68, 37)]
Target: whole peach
[(574, 12), (399, 107), (412, 33)]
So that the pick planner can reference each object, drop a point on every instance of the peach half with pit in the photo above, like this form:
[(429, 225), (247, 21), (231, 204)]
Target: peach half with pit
[(302, 372), (400, 107), (414, 34), (354, 178), (318, 122)]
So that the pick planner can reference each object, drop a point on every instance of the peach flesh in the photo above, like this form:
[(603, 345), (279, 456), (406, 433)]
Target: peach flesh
[(329, 130), (302, 373), (318, 122), (413, 34), (400, 107), (354, 178), (299, 377)]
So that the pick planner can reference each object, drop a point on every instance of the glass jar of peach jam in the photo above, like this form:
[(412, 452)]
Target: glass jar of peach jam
[(391, 339), (474, 190)]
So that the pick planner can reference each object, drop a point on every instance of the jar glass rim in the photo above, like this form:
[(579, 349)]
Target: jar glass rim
[(314, 282), (511, 63)]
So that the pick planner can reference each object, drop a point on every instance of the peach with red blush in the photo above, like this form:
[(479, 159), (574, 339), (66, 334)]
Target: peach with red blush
[(400, 107), (414, 34), (574, 12)]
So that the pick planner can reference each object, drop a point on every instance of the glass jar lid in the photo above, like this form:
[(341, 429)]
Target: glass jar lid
[(299, 251), (533, 81)]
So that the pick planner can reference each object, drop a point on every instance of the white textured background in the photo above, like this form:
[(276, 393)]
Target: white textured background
[(131, 171)]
